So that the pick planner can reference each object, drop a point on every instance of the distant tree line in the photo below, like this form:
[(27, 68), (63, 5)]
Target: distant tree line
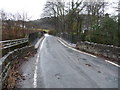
[(83, 20)]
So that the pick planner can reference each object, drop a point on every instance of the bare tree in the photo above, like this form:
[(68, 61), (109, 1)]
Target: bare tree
[(119, 21), (67, 17), (55, 9), (95, 10)]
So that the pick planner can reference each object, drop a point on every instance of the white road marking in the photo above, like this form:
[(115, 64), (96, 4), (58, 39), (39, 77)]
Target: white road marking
[(87, 53), (76, 49), (112, 63), (36, 66), (37, 44), (35, 74)]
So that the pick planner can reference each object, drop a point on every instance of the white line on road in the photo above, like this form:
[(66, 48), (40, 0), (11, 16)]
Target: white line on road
[(87, 53), (35, 73), (112, 63), (76, 49), (36, 66)]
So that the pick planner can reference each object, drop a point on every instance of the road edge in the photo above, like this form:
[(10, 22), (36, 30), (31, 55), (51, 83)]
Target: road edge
[(39, 47), (64, 43)]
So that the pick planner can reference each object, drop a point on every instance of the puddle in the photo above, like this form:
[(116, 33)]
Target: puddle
[(58, 76), (84, 59), (99, 71), (88, 65)]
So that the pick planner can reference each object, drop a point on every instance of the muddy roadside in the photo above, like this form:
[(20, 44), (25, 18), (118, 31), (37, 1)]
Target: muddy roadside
[(22, 69), (15, 75)]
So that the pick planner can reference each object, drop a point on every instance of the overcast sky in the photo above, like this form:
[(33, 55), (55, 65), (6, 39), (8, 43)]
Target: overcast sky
[(34, 8)]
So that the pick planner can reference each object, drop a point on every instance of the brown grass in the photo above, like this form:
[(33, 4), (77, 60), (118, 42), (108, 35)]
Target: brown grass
[(16, 34)]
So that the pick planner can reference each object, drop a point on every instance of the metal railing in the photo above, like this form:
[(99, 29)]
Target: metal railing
[(12, 43), (10, 51), (6, 62)]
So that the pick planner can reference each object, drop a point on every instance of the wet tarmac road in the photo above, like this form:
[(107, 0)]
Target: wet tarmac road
[(57, 66)]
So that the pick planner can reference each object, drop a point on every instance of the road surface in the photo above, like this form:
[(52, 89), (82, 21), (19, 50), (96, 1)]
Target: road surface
[(57, 66)]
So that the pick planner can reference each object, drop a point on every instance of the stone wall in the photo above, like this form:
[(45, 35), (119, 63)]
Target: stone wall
[(99, 49)]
